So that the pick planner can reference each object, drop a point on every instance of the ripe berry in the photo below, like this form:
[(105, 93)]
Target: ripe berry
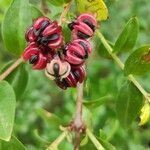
[(45, 33), (77, 51), (52, 36), (57, 69), (83, 27), (34, 56), (29, 35), (75, 76)]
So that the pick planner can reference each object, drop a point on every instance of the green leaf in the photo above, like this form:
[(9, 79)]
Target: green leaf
[(39, 138), (18, 78), (67, 1), (84, 141), (128, 37), (96, 103), (106, 144), (102, 134), (66, 33), (49, 118), (36, 13), (97, 7), (128, 104), (17, 19), (13, 144), (87, 117), (100, 48), (7, 110), (56, 2), (138, 62)]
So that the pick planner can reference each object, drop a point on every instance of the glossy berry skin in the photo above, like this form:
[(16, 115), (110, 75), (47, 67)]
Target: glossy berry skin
[(57, 69), (76, 76), (34, 56), (77, 51), (45, 33), (83, 27), (52, 36)]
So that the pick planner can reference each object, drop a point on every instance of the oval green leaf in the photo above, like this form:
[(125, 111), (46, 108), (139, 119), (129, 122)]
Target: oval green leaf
[(7, 110), (128, 37), (138, 62), (17, 19), (18, 79), (128, 104)]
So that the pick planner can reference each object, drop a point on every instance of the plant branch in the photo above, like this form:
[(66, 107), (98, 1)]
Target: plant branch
[(77, 124), (11, 68), (121, 65), (94, 140), (59, 139), (64, 13), (78, 114)]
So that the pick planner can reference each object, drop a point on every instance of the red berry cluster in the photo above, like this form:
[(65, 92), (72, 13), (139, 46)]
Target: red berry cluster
[(63, 63)]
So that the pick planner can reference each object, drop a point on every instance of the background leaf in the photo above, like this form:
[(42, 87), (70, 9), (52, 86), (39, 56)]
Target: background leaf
[(7, 110), (106, 144), (49, 118), (17, 19), (18, 78), (56, 2), (138, 62), (13, 144), (128, 37), (97, 7), (36, 13), (96, 103), (128, 104)]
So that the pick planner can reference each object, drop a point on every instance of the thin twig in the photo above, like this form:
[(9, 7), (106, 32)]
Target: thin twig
[(78, 114), (11, 68), (78, 125), (121, 65), (94, 140), (77, 141), (64, 13)]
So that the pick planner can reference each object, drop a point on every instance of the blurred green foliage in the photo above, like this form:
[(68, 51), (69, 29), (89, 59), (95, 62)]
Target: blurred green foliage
[(104, 79)]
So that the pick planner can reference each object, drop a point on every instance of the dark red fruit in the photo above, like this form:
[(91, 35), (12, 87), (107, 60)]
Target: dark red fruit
[(77, 51), (76, 76), (45, 33), (52, 36), (34, 56), (83, 27), (29, 35)]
